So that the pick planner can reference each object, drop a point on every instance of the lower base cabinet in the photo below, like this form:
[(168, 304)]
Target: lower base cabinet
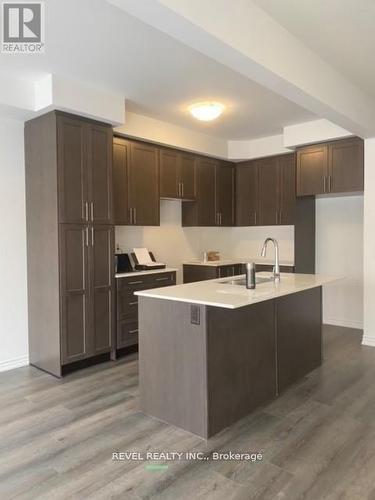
[(194, 272), (127, 304)]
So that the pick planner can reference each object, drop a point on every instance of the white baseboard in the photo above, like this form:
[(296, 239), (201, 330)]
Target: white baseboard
[(9, 364), (343, 322), (369, 341)]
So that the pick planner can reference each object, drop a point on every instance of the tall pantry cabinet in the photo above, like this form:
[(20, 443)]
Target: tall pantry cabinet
[(70, 239)]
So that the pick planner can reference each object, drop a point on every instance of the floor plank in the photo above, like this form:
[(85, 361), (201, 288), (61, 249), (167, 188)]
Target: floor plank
[(317, 439)]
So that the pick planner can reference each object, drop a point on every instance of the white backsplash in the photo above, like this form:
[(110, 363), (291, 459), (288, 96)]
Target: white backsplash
[(174, 244)]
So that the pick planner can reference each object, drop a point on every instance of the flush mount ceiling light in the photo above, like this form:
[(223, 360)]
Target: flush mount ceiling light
[(206, 111)]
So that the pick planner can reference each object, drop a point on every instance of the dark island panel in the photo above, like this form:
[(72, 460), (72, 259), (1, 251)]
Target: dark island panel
[(241, 359)]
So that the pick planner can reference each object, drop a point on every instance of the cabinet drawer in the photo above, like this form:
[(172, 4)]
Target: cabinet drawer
[(127, 305), (127, 333), (163, 279)]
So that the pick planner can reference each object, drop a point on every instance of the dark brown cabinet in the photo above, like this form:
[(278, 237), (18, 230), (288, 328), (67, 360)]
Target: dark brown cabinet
[(199, 272), (127, 303), (287, 192), (247, 195), (136, 183), (193, 272), (265, 193), (177, 175), (335, 167), (269, 191), (84, 171), (70, 240), (214, 205)]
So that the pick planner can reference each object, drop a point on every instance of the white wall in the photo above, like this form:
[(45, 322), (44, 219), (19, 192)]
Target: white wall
[(13, 277), (174, 244), (339, 252), (369, 244), (161, 132)]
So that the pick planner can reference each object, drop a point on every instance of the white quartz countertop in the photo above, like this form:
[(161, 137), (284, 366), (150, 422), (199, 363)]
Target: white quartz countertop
[(144, 273), (231, 262), (217, 294)]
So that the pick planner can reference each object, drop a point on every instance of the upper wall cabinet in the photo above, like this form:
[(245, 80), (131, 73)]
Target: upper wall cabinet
[(177, 175), (247, 195), (85, 173), (265, 191), (135, 183), (214, 204), (335, 167)]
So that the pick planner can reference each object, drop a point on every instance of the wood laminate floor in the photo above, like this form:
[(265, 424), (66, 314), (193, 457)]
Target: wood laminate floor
[(317, 439)]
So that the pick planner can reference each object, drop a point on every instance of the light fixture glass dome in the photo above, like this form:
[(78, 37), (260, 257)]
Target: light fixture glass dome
[(206, 111)]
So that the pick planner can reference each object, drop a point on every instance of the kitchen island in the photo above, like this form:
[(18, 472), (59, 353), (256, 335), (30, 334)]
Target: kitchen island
[(213, 351)]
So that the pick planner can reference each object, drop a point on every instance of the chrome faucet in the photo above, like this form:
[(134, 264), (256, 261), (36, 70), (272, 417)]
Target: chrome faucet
[(276, 269)]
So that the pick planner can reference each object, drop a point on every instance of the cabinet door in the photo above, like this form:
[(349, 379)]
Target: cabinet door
[(75, 323), (346, 166), (169, 182), (99, 156), (121, 154), (207, 215), (247, 200), (72, 170), (102, 287), (268, 171), (187, 173), (225, 194), (312, 170), (144, 184), (287, 190)]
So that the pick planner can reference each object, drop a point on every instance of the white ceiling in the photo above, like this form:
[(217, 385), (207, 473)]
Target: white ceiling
[(93, 41), (340, 31)]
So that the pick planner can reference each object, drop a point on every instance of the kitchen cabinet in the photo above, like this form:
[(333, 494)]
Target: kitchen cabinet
[(334, 167), (269, 191), (86, 267), (201, 272), (214, 204), (68, 162), (265, 191), (225, 194), (177, 175), (127, 304), (287, 192), (84, 171), (247, 194), (135, 183)]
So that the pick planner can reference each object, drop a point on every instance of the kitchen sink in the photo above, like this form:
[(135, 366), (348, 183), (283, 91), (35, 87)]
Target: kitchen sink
[(242, 281)]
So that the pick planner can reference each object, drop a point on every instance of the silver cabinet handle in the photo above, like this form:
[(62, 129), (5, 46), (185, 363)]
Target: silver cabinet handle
[(133, 331), (182, 189), (130, 215), (86, 210), (134, 216), (135, 282), (162, 279), (324, 183), (92, 210), (87, 236), (92, 235), (133, 303), (220, 218)]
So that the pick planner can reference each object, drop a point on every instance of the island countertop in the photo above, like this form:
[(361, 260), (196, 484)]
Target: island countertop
[(217, 293)]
